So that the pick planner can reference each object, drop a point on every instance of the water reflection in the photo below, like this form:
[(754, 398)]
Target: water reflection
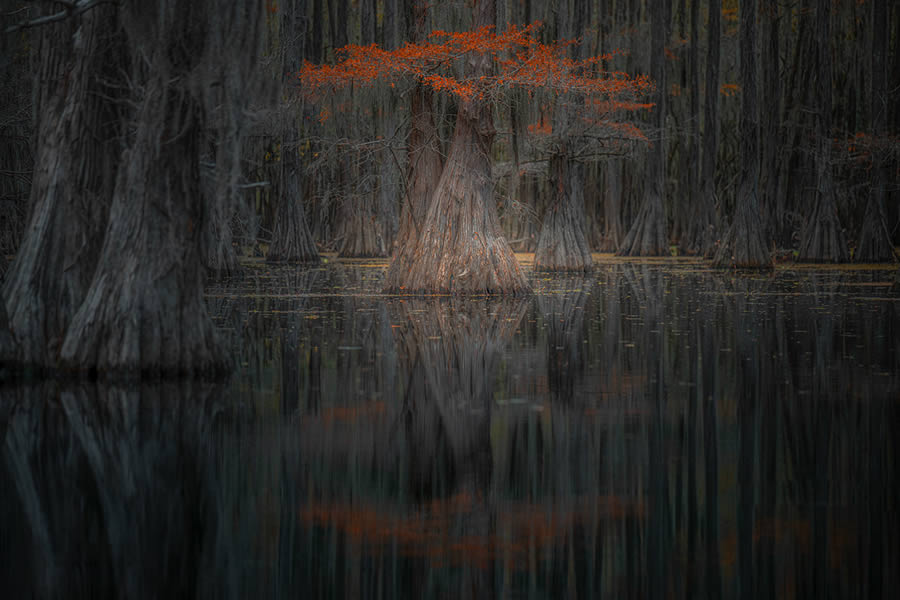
[(654, 430)]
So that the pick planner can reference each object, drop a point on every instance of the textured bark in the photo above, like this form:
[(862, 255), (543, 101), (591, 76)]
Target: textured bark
[(874, 238), (144, 313), (703, 235), (461, 249), (562, 241), (823, 238), (744, 244), (71, 189), (562, 244), (770, 138), (647, 236), (370, 221), (613, 228), (292, 241)]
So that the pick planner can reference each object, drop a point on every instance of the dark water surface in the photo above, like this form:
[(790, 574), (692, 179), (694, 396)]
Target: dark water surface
[(653, 430)]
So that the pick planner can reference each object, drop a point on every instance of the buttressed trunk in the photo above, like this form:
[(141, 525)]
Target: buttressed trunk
[(424, 162), (144, 312), (73, 182), (562, 244), (461, 249)]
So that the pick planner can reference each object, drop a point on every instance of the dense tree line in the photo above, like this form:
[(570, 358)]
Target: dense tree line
[(772, 133)]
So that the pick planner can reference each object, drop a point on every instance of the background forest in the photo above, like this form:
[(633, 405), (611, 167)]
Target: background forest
[(146, 142), (352, 146)]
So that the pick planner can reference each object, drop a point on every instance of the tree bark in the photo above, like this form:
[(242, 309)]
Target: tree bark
[(690, 241), (370, 220), (144, 313), (461, 249), (292, 241), (703, 235), (424, 162), (562, 244), (823, 238), (744, 244), (647, 236), (874, 238), (71, 189)]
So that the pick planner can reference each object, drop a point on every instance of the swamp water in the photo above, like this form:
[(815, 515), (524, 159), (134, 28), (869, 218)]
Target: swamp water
[(656, 429)]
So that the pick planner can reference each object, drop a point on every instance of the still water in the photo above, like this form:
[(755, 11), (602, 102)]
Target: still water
[(656, 429)]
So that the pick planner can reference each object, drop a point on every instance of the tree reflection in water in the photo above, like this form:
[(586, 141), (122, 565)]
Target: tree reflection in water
[(657, 430)]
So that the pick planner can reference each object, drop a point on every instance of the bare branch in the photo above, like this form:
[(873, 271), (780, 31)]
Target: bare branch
[(72, 9)]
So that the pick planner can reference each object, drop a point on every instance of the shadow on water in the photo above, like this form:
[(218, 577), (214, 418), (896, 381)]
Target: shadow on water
[(651, 430)]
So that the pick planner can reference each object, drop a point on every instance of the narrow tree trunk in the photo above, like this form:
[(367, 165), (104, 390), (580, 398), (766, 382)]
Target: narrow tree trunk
[(703, 233), (647, 236), (370, 220), (691, 239), (73, 181), (823, 238), (562, 243), (613, 229), (874, 238), (292, 241), (771, 124), (744, 244), (461, 248)]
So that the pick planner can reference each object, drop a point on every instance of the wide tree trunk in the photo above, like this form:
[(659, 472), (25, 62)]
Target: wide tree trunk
[(647, 236), (144, 313), (744, 244), (823, 239), (562, 244), (77, 158), (424, 171), (874, 238), (461, 249)]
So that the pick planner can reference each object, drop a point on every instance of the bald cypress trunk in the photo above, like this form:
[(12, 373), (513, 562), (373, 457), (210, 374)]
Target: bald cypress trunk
[(370, 219), (562, 242), (874, 238), (424, 162), (461, 249), (647, 236), (77, 159), (823, 239), (144, 314), (292, 241), (744, 244), (703, 235)]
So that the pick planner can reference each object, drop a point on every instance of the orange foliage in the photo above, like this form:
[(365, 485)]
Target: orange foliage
[(729, 89), (520, 60)]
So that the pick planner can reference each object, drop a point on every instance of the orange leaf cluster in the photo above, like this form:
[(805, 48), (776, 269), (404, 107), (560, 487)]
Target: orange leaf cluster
[(520, 60)]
